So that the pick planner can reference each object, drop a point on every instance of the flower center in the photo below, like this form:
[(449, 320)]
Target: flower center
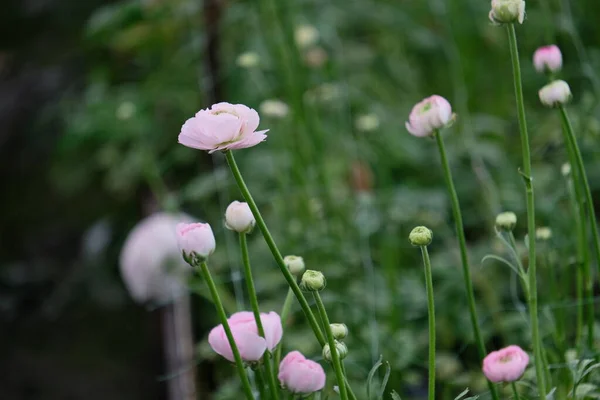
[(426, 107), (505, 359)]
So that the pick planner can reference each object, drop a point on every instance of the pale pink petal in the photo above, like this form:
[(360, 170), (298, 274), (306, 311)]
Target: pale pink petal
[(248, 141), (219, 343), (222, 127), (273, 330)]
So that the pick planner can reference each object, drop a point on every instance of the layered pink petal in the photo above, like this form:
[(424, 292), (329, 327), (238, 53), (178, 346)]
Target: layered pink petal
[(273, 330), (250, 345), (300, 375)]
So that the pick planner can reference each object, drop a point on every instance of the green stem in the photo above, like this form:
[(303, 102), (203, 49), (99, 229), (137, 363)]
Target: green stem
[(285, 311), (273, 247), (223, 317), (458, 222), (260, 382), (515, 391), (254, 303), (351, 394), (589, 202), (335, 358), (431, 317), (532, 300)]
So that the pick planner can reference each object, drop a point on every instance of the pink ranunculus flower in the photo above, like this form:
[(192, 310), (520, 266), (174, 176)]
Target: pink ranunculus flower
[(300, 375), (196, 239), (223, 126), (547, 58), (430, 114), (245, 333), (271, 323), (249, 343), (505, 365)]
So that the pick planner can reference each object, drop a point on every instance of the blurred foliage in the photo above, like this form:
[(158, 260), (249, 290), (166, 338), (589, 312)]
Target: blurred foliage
[(339, 179)]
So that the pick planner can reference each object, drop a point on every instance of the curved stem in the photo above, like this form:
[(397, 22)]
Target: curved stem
[(335, 358), (223, 317), (526, 173), (458, 222), (431, 318), (273, 247), (285, 311), (589, 202), (254, 303)]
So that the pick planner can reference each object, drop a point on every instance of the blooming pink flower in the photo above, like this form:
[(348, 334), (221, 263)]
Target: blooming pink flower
[(245, 333), (547, 58), (300, 375), (196, 238), (430, 114), (505, 365), (224, 126)]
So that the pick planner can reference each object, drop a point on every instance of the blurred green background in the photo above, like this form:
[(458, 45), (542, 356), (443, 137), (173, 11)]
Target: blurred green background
[(92, 96)]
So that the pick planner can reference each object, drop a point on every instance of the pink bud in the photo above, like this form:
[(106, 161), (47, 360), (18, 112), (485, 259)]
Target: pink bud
[(196, 239), (300, 375), (223, 126), (505, 365), (271, 323), (429, 115), (547, 58)]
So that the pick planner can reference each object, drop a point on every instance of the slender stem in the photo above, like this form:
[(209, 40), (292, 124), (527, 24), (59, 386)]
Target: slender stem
[(285, 311), (351, 394), (526, 172), (589, 202), (260, 382), (458, 222), (431, 312), (254, 303), (515, 391), (335, 358), (223, 317), (273, 247)]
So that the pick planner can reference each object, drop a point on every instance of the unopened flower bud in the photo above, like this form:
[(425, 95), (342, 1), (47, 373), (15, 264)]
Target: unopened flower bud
[(420, 236), (555, 93), (196, 242), (239, 218), (248, 60), (295, 264), (547, 59), (543, 233), (341, 348), (506, 221), (507, 11), (429, 115), (313, 281), (340, 331)]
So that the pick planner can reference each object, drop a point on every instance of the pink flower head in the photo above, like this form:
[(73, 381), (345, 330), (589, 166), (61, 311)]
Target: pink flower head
[(196, 239), (223, 126), (245, 333), (300, 375), (271, 323), (547, 58), (429, 115), (505, 365)]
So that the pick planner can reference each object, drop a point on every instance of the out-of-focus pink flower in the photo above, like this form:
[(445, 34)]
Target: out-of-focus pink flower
[(429, 115), (300, 375), (150, 260), (239, 218), (223, 126), (547, 58), (505, 365), (196, 239), (245, 333)]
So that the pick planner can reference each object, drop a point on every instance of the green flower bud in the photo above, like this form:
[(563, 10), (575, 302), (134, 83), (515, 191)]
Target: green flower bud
[(506, 221), (312, 281), (565, 170), (295, 264), (341, 348), (340, 331), (507, 11), (420, 236)]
